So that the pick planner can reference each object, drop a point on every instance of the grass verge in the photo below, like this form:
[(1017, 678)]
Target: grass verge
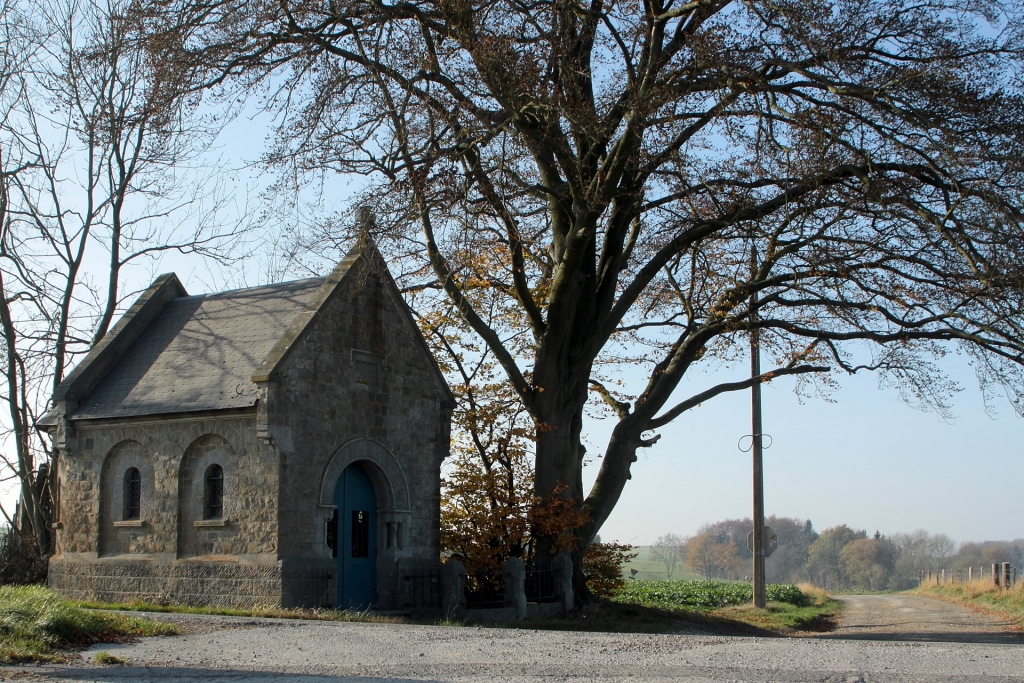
[(982, 595), (36, 624), (261, 612)]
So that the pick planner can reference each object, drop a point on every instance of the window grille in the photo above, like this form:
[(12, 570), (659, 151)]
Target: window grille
[(132, 494), (214, 507)]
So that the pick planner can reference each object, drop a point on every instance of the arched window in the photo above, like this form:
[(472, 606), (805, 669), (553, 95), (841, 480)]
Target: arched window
[(132, 494), (213, 499)]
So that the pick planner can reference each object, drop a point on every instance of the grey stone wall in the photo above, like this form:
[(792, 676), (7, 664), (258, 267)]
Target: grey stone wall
[(117, 536), (359, 386), (198, 536), (101, 556), (195, 583)]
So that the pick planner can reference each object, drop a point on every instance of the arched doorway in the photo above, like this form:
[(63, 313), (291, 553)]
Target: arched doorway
[(356, 534)]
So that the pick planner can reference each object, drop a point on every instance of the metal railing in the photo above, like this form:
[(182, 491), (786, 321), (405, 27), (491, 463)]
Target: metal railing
[(484, 591), (423, 589), (540, 585), (321, 580)]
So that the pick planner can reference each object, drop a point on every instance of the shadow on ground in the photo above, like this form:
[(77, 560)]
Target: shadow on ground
[(119, 674), (611, 617), (1005, 638)]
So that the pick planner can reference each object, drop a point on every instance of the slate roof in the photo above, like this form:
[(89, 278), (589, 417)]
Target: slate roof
[(200, 353)]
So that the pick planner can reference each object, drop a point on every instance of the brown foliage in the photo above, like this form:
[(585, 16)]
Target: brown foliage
[(489, 511), (603, 565)]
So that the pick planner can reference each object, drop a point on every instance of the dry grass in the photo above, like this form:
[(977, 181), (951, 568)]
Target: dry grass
[(815, 595), (982, 594)]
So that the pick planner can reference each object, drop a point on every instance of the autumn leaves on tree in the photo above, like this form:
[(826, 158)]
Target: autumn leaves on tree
[(489, 509)]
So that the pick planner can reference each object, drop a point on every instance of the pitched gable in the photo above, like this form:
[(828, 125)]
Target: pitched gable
[(364, 253)]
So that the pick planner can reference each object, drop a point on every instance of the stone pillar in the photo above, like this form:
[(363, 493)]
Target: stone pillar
[(995, 573), (453, 587), (513, 572), (562, 565), (1006, 575)]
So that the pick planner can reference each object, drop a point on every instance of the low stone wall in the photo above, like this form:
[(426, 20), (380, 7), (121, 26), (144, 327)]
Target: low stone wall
[(191, 583), (516, 603)]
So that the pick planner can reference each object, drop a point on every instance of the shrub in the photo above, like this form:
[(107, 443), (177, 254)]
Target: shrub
[(20, 560), (602, 566)]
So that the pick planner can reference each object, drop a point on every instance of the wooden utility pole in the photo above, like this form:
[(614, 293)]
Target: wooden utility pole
[(755, 390)]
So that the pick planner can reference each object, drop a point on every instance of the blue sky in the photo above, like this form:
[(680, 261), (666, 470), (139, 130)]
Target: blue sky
[(867, 460)]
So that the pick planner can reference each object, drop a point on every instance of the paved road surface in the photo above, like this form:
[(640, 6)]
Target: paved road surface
[(221, 649)]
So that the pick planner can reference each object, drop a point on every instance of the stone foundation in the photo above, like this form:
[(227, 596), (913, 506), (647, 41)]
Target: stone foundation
[(191, 583)]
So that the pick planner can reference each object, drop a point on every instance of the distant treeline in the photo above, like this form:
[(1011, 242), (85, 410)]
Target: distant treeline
[(835, 559)]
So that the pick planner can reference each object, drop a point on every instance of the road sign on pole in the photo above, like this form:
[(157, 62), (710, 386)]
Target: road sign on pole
[(771, 541)]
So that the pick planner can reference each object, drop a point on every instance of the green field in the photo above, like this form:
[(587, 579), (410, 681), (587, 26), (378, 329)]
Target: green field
[(649, 570), (727, 604), (702, 595)]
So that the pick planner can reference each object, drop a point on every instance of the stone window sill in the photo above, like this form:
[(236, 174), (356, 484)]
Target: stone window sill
[(128, 523), (210, 523)]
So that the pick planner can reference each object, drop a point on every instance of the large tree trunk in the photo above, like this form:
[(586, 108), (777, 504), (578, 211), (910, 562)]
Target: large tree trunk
[(559, 467), (560, 455), (604, 495)]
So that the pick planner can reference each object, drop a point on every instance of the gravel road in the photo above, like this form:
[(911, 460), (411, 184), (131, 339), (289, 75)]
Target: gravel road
[(916, 617), (216, 649)]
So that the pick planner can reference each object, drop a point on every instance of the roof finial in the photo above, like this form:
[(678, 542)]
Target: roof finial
[(364, 223)]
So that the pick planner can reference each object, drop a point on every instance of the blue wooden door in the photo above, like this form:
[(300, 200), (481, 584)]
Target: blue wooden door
[(357, 539)]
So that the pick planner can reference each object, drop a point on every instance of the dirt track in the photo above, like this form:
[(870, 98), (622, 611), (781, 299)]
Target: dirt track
[(915, 617)]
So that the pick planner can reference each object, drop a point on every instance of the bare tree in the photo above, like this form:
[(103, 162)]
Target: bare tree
[(941, 547), (670, 550), (97, 152), (18, 45), (646, 183)]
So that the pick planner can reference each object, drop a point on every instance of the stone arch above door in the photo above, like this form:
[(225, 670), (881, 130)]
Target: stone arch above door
[(385, 472)]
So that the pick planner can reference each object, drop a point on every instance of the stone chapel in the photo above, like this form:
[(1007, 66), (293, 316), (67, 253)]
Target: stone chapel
[(277, 445)]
